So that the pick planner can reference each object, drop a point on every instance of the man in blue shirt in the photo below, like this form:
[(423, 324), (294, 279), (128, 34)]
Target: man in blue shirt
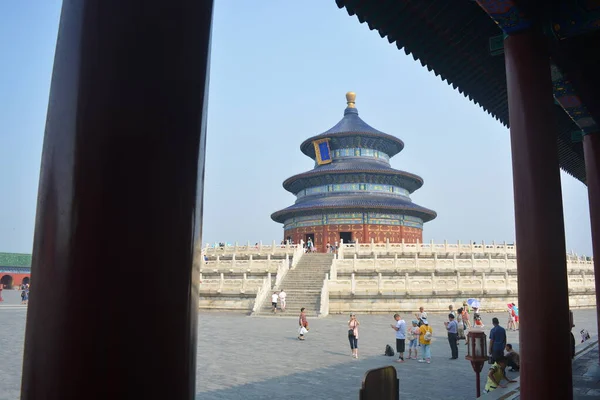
[(497, 340), (452, 328)]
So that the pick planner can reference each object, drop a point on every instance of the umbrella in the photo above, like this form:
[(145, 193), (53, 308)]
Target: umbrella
[(474, 303)]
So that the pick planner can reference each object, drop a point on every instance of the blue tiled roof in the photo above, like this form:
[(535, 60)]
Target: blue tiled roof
[(363, 171), (355, 202), (353, 127)]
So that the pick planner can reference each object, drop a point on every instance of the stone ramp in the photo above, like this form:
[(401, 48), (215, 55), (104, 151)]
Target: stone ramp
[(303, 286)]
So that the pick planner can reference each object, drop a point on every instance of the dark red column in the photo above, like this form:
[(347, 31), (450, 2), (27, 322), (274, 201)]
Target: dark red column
[(541, 254), (591, 148), (113, 309)]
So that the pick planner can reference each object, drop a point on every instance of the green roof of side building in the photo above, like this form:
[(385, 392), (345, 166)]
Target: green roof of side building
[(15, 260)]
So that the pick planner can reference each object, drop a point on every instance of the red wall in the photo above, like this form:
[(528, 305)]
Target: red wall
[(17, 278), (363, 232)]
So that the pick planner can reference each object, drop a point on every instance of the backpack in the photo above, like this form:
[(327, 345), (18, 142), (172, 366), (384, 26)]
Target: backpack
[(389, 351), (428, 335)]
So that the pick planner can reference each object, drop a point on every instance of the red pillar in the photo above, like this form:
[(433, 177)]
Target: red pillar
[(541, 253), (120, 194), (591, 148)]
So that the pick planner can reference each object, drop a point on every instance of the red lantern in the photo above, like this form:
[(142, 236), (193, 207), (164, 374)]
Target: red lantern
[(477, 354)]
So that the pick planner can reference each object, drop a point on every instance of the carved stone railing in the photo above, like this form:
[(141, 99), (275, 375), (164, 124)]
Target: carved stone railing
[(426, 248), (426, 284), (263, 293), (249, 265), (438, 264), (251, 249), (324, 307)]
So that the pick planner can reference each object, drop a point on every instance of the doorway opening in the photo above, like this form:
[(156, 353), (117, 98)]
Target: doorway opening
[(346, 237), (310, 236)]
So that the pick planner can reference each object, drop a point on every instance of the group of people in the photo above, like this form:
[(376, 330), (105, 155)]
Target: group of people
[(278, 297)]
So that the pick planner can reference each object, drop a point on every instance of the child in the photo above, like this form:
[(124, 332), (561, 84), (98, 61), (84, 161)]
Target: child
[(496, 375), (477, 318), (414, 334)]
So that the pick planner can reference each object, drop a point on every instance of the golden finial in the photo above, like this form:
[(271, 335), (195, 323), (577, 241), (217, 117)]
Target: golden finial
[(350, 98)]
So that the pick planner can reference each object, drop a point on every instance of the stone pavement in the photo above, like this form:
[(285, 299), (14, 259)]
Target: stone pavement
[(242, 357), (586, 374)]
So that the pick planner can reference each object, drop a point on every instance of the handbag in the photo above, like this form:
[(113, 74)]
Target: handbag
[(302, 330)]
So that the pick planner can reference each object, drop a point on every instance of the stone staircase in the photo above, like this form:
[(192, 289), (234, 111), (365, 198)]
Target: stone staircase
[(303, 286)]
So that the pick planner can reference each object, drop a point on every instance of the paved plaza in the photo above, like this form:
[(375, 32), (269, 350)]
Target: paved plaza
[(242, 357)]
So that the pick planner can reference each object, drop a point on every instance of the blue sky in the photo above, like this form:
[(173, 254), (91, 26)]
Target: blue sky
[(278, 76)]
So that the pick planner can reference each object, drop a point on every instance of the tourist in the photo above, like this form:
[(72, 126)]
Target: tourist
[(516, 310), (513, 360), (496, 375), (1, 289), (497, 340), (451, 310), (477, 318), (282, 296), (24, 296), (309, 245), (353, 334), (328, 247), (460, 323), (452, 328), (511, 320), (421, 315), (400, 328), (465, 317), (302, 321), (274, 298), (425, 341), (414, 334)]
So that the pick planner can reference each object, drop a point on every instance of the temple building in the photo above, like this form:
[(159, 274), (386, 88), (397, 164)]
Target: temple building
[(353, 193)]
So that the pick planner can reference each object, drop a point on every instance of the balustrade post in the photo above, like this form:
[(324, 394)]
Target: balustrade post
[(235, 249), (483, 283), (490, 260), (395, 261), (221, 282), (333, 270), (375, 260), (387, 245), (352, 284), (406, 286), (433, 282), (402, 248), (268, 261), (250, 261), (233, 260), (354, 262), (218, 261), (356, 245), (379, 283), (244, 282), (435, 261), (372, 246), (273, 247), (454, 261), (445, 246), (457, 281), (416, 261)]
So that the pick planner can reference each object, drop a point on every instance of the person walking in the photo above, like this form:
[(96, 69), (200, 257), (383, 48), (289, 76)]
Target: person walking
[(511, 319), (451, 310), (414, 334), (452, 328), (460, 323), (497, 340), (400, 328), (303, 322), (353, 334), (425, 341), (274, 298), (282, 296), (465, 316)]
